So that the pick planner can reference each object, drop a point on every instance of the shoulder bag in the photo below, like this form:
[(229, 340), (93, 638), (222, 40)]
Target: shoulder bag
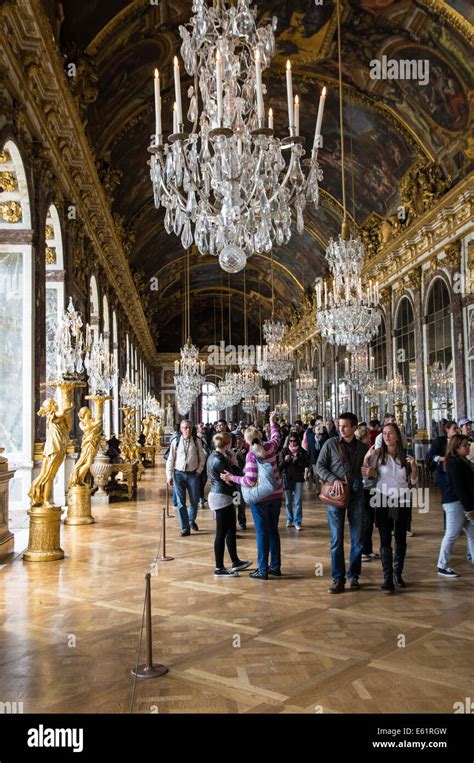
[(266, 484)]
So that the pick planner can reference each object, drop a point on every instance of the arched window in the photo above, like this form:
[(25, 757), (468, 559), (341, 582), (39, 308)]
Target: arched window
[(209, 404), (16, 323), (439, 347), (54, 293), (405, 354), (94, 321), (378, 350), (329, 384)]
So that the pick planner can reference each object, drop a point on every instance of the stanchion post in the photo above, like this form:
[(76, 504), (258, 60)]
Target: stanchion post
[(164, 558), (149, 670)]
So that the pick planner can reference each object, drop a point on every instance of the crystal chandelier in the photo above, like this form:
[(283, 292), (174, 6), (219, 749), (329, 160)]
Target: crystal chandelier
[(189, 372), (230, 185), (100, 365), (276, 362), (359, 370), (129, 393), (68, 343), (347, 313), (306, 391), (282, 409), (152, 406), (248, 405), (262, 401)]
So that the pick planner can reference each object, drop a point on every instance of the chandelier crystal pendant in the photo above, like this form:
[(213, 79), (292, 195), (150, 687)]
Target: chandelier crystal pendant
[(129, 393), (262, 401), (230, 185)]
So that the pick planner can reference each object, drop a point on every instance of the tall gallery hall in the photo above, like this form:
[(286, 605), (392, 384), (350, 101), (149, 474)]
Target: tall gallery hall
[(236, 360)]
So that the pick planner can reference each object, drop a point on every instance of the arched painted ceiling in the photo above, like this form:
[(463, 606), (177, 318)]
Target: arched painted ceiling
[(395, 123)]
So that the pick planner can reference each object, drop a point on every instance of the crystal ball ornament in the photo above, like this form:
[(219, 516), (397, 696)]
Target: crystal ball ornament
[(232, 259)]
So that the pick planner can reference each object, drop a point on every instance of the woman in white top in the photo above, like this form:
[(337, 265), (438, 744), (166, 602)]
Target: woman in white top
[(395, 473)]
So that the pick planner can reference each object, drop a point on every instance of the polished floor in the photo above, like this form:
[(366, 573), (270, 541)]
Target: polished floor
[(69, 630)]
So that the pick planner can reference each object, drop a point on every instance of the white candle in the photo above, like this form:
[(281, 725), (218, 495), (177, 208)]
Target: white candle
[(177, 90), (372, 361), (176, 367), (157, 105), (270, 119), (319, 120), (297, 115), (258, 86), (175, 120), (346, 363), (219, 88), (325, 294), (289, 90)]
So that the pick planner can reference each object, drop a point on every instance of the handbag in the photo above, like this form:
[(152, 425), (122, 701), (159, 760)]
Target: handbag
[(328, 494), (266, 484)]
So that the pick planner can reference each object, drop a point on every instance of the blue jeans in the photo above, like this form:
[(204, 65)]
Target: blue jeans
[(265, 518), (336, 519), (191, 481), (455, 523), (294, 497)]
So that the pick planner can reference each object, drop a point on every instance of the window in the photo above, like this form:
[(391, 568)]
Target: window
[(209, 409), (405, 341), (439, 354)]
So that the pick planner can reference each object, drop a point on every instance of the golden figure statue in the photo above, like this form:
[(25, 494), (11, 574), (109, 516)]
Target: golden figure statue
[(58, 425), (92, 428), (157, 434), (147, 429)]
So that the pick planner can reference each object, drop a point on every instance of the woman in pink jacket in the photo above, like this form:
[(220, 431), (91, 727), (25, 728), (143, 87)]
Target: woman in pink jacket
[(266, 513)]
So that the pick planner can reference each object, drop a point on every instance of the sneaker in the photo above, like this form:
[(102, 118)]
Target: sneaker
[(373, 555), (274, 573), (354, 585), (223, 573), (185, 532), (200, 504), (447, 572), (337, 587), (366, 557), (289, 524), (257, 575), (240, 566), (194, 526), (298, 527)]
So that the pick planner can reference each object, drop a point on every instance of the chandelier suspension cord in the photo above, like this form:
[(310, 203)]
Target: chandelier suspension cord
[(246, 338), (273, 292), (260, 312), (228, 303), (341, 121), (222, 308), (352, 158)]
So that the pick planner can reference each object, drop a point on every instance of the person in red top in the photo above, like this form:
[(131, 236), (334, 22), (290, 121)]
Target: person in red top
[(374, 429), (267, 513)]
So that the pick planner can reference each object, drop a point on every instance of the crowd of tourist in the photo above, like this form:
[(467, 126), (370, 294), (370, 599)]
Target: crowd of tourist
[(364, 472)]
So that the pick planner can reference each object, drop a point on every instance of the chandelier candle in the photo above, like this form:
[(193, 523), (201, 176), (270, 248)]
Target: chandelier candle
[(177, 90), (158, 129), (219, 88), (270, 119), (319, 120), (297, 115), (289, 90), (258, 85)]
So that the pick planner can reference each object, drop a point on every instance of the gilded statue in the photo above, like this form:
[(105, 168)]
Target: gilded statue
[(92, 428), (58, 425), (147, 429)]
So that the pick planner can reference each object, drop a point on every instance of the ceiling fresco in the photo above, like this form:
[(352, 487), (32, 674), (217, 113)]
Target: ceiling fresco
[(394, 124)]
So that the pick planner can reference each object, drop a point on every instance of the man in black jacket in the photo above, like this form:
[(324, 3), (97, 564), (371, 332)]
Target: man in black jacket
[(340, 461), (437, 452)]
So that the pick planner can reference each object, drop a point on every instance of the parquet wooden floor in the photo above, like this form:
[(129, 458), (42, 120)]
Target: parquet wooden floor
[(69, 629)]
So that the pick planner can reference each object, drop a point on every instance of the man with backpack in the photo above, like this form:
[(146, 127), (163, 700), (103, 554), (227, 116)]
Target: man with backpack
[(184, 465)]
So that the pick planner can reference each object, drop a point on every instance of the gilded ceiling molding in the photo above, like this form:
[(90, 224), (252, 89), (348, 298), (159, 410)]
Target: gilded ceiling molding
[(68, 150), (455, 19), (122, 17)]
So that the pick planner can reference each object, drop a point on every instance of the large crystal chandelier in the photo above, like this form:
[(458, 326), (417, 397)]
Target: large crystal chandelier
[(100, 365), (276, 363), (359, 369), (262, 401), (347, 312), (230, 185)]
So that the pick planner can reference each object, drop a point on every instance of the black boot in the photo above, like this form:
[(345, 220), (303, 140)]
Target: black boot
[(398, 561), (387, 566)]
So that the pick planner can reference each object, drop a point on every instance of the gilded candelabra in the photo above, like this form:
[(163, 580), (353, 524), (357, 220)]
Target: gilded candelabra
[(128, 440), (80, 483), (45, 517)]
